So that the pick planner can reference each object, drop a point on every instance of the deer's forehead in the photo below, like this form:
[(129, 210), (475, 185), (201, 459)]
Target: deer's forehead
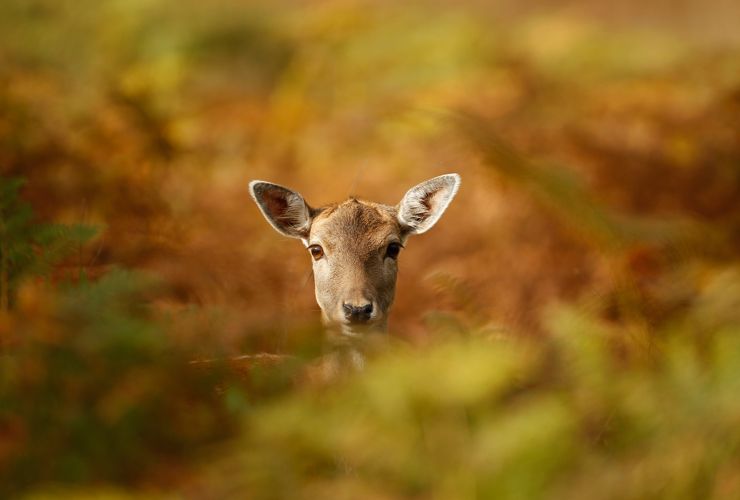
[(356, 223)]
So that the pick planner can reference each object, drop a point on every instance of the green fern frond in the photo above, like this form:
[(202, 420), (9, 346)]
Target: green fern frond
[(27, 247)]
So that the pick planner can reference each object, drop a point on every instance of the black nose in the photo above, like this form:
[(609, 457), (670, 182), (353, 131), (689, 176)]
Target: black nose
[(358, 314)]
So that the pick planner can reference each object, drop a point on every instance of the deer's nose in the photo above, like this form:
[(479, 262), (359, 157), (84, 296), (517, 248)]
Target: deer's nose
[(358, 313)]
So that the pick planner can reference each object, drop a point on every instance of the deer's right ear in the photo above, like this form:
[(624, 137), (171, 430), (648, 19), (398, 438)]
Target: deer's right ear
[(284, 209)]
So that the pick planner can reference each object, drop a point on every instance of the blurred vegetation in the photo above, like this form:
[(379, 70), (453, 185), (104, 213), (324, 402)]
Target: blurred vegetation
[(30, 248), (588, 413), (570, 328), (91, 390)]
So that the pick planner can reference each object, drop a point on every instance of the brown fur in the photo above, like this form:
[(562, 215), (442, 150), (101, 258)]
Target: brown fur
[(354, 235)]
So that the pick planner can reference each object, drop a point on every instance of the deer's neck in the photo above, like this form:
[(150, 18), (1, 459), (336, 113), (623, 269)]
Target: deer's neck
[(347, 346)]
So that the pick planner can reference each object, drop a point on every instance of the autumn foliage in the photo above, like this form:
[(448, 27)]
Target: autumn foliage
[(570, 328)]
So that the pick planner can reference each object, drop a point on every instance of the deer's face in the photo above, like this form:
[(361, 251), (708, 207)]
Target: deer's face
[(355, 245)]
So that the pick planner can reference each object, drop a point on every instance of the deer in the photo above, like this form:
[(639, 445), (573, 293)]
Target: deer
[(354, 246)]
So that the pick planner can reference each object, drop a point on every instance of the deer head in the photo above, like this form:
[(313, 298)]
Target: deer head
[(355, 246)]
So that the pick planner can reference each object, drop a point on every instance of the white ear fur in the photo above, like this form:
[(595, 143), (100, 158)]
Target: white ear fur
[(284, 209), (423, 204)]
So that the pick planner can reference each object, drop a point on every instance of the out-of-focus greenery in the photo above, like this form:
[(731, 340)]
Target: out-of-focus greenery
[(572, 322), (27, 247), (588, 413), (93, 389)]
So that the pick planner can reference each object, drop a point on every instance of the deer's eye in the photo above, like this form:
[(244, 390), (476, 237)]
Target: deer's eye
[(393, 250), (316, 251)]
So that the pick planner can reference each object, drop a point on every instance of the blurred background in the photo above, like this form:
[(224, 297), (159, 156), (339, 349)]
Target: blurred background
[(599, 149)]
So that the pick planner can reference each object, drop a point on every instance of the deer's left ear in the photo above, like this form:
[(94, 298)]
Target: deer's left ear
[(423, 204)]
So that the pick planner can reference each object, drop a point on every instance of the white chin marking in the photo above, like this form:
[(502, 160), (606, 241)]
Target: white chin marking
[(360, 330), (349, 332), (358, 360)]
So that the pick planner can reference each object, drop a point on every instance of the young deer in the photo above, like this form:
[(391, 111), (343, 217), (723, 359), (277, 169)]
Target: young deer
[(355, 245)]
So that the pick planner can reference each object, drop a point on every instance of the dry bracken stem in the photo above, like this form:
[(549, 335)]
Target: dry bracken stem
[(4, 287)]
